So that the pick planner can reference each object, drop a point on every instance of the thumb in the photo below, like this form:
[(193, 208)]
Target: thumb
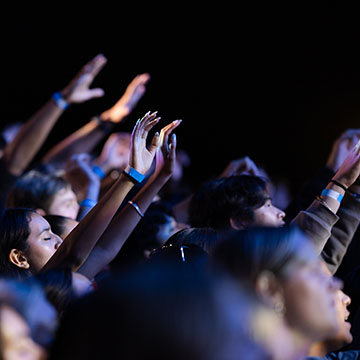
[(96, 93), (155, 143)]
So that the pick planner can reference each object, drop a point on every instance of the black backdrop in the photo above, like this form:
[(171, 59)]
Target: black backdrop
[(276, 83)]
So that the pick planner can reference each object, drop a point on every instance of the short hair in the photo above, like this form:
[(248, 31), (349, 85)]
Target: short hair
[(57, 223), (14, 232), (219, 200), (35, 190)]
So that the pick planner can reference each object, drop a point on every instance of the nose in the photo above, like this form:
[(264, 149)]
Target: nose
[(280, 214), (58, 241), (345, 299)]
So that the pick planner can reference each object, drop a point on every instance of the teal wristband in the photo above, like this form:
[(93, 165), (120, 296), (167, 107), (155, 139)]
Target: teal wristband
[(88, 203), (332, 194), (133, 175), (59, 100), (98, 171)]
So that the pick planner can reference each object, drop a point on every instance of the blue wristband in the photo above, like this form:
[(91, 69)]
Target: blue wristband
[(88, 203), (98, 171), (133, 175), (59, 100), (332, 194)]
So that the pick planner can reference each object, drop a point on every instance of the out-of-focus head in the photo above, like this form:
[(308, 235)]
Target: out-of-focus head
[(61, 225), (46, 193), (283, 268), (161, 311)]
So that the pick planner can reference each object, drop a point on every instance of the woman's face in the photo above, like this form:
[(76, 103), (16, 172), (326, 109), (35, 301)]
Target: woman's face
[(16, 341), (310, 299), (42, 242), (269, 215)]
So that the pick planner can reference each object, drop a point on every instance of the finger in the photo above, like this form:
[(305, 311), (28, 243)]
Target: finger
[(166, 131), (172, 147), (146, 119), (96, 93), (151, 124), (94, 66), (155, 143)]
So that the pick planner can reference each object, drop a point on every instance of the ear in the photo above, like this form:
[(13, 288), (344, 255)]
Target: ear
[(18, 258), (41, 212), (269, 289), (236, 224)]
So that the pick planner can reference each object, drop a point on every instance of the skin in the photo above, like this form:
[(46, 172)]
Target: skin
[(16, 341), (42, 242), (64, 203), (269, 215)]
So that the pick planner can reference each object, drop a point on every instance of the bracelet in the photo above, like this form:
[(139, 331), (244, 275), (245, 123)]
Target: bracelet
[(135, 206), (106, 126), (339, 184), (88, 203), (98, 171), (332, 194), (318, 198), (59, 100), (133, 175)]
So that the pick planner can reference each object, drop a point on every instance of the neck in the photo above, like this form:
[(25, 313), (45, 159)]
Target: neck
[(318, 349)]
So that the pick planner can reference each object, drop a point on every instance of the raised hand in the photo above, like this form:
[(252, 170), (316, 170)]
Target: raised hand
[(142, 157), (342, 147), (125, 105), (349, 170), (242, 166), (78, 90)]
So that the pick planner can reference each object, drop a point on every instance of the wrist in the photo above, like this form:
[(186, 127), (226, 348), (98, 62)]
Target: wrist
[(133, 175), (60, 100)]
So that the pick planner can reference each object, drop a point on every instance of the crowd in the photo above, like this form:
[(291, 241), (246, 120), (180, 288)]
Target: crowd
[(108, 254)]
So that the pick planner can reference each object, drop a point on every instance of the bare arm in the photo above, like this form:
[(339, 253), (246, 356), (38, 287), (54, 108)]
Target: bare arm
[(126, 220), (20, 152), (79, 243), (87, 137)]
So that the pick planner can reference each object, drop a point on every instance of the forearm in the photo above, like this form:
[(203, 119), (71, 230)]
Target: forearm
[(81, 141), (20, 152), (79, 243), (121, 227)]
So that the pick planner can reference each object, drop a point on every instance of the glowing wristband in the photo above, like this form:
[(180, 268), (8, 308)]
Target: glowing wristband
[(59, 100), (332, 194), (88, 203), (133, 175), (98, 171)]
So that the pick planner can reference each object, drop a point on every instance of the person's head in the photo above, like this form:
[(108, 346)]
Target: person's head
[(46, 193), (28, 299), (234, 202), (284, 269), (151, 232), (164, 311), (343, 336), (205, 238), (26, 242), (61, 225)]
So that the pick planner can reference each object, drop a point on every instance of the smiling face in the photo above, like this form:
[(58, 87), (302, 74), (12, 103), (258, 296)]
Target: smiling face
[(42, 242)]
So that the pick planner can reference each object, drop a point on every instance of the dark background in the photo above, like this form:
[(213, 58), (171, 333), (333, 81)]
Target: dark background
[(278, 83)]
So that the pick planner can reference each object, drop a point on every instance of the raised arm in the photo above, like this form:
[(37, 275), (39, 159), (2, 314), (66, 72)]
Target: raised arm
[(126, 220), (87, 137), (79, 243), (20, 152)]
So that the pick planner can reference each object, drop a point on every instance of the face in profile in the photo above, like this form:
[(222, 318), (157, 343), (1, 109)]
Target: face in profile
[(310, 298), (269, 215)]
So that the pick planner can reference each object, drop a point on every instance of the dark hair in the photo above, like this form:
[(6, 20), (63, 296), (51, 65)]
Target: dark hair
[(57, 285), (205, 238), (14, 232), (142, 238), (57, 223), (216, 201), (247, 253), (35, 190), (161, 311)]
